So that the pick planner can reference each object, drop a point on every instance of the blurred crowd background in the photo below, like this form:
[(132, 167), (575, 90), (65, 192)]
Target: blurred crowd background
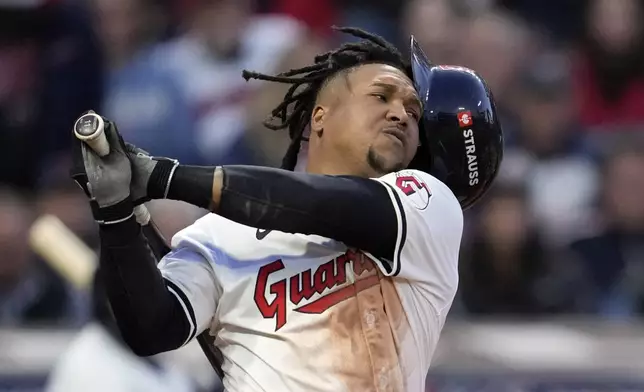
[(561, 234)]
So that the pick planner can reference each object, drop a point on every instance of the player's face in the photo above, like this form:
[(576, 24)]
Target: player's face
[(377, 118)]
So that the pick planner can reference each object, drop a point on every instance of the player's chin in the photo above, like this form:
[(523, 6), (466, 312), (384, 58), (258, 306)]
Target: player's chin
[(386, 160)]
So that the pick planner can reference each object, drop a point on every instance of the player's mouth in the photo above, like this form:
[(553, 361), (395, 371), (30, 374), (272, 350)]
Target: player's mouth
[(395, 133)]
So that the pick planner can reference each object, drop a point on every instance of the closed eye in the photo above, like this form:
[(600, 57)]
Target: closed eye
[(414, 114), (383, 98)]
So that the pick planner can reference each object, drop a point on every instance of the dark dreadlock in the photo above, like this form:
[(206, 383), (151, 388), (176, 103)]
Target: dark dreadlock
[(371, 49)]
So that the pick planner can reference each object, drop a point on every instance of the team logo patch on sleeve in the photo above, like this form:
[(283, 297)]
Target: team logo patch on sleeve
[(414, 188)]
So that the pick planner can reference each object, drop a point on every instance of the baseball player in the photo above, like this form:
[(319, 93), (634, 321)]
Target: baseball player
[(338, 278)]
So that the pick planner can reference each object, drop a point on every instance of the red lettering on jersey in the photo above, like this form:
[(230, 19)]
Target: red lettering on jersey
[(278, 306), (341, 268), (325, 277), (307, 283), (301, 287), (360, 264)]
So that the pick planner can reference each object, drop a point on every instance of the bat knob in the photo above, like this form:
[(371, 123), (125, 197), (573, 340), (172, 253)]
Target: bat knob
[(90, 128), (88, 124)]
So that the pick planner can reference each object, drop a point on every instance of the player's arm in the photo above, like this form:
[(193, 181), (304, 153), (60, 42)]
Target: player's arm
[(154, 310), (354, 210)]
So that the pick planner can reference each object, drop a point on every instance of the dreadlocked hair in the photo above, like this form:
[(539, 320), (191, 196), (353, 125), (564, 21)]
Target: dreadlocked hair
[(294, 112)]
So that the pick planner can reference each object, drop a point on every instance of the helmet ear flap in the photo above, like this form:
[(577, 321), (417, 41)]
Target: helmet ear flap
[(424, 158)]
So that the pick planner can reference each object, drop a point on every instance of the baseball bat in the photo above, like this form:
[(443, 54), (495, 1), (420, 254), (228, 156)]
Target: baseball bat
[(63, 251)]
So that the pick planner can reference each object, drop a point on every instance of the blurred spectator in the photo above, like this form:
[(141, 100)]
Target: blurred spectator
[(18, 53), (434, 25), (267, 145), (548, 153), (224, 37), (30, 293), (503, 262), (381, 17), (610, 67), (49, 73), (317, 15), (496, 46), (561, 20), (126, 27), (613, 261), (98, 360), (145, 101)]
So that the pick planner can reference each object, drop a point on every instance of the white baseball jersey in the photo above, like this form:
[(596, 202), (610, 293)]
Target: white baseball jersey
[(294, 312)]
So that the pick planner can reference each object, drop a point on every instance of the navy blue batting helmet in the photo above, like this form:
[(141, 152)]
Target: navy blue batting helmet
[(461, 137)]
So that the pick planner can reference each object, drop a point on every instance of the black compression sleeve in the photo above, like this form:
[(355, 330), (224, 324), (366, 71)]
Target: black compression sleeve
[(155, 240), (150, 318), (354, 210)]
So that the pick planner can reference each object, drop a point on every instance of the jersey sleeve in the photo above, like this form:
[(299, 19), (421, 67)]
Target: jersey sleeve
[(189, 275), (430, 228)]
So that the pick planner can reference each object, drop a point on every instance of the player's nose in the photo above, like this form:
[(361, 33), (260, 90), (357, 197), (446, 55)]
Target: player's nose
[(397, 113)]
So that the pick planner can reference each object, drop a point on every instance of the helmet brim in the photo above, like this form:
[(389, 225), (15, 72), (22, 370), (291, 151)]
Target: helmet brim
[(421, 70)]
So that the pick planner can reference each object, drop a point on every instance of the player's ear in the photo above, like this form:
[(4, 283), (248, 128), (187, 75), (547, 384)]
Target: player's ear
[(318, 116)]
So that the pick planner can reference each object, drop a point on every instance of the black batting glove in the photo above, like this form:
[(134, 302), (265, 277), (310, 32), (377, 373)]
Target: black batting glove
[(105, 180), (151, 176)]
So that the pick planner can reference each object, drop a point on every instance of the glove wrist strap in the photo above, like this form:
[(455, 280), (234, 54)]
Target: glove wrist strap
[(116, 213), (160, 178)]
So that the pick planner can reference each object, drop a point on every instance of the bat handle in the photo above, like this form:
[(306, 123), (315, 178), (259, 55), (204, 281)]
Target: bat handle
[(142, 214), (90, 128)]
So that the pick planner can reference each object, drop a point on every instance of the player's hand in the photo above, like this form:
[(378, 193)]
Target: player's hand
[(105, 180), (150, 175)]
